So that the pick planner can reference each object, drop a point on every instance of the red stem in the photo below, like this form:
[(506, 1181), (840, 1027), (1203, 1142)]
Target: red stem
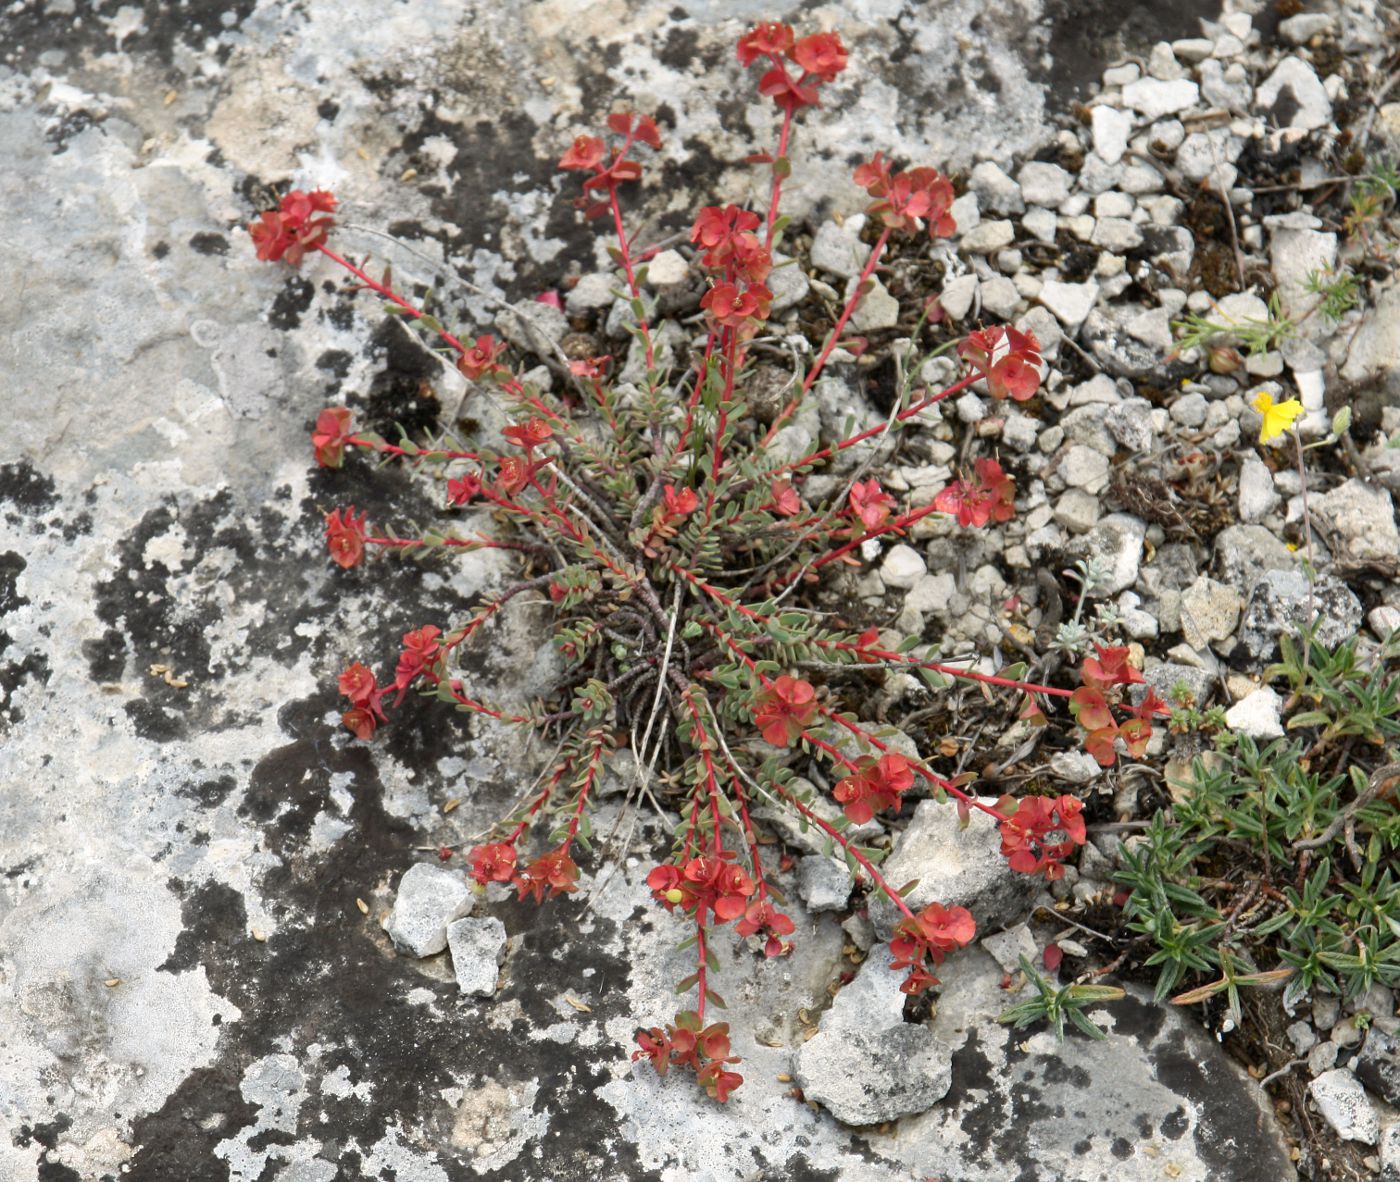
[(392, 296)]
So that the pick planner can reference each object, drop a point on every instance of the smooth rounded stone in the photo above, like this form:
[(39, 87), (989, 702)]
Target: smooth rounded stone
[(1279, 604), (1162, 63), (1300, 29), (989, 237), (1116, 234), (1019, 431), (1110, 129), (1189, 410), (1327, 1008), (1243, 553), (1116, 543), (971, 408), (1378, 1065), (1323, 1057), (1258, 497), (1193, 49), (1209, 611), (1113, 205), (1075, 767), (788, 283), (958, 294), (1100, 390), (1078, 511), (1257, 715), (824, 883), (932, 593), (1043, 184), (1383, 620), (1362, 516), (592, 293), (1122, 75), (1346, 1034), (1042, 223), (838, 250), (429, 898), (532, 326), (1155, 98), (1241, 308), (1302, 1036), (1000, 297), (866, 1065), (477, 946), (995, 190), (1139, 624), (667, 268), (1085, 468), (1070, 302), (877, 309), (1130, 424), (1295, 97), (902, 568), (1264, 365), (955, 867), (1345, 1106)]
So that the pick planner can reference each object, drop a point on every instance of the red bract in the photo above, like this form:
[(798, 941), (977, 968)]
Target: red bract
[(584, 153), (928, 937), (685, 1044), (766, 39), (357, 683), (463, 489), (547, 877), (590, 367), (822, 55), (360, 721), (679, 504), (785, 90), (1109, 668), (870, 503), (528, 435), (1009, 361), (991, 498), (1038, 832), (294, 228), (1150, 706), (906, 200), (420, 652), (665, 881), (329, 438), (345, 536), (734, 308), (715, 229), (784, 709), (875, 785), (636, 127), (512, 474), (760, 918), (715, 884), (786, 502), (494, 862), (718, 1082), (480, 358)]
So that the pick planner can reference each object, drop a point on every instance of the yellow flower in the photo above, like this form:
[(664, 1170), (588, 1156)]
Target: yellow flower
[(1278, 417)]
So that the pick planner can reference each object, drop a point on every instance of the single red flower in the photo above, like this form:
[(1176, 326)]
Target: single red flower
[(760, 918), (786, 502), (463, 489), (928, 937), (766, 39), (512, 475), (636, 127), (480, 358), (654, 1046), (718, 1082), (357, 683), (360, 722), (1008, 360), (584, 153), (528, 435), (715, 226), (715, 884), (990, 498), (1089, 708), (870, 503), (665, 881), (494, 862), (783, 710), (873, 786), (299, 225), (329, 438), (420, 651), (1150, 707), (679, 504), (345, 536), (786, 91), (734, 308), (590, 367), (822, 55)]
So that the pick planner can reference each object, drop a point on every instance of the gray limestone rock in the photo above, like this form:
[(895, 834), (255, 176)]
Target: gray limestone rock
[(1043, 184), (1209, 612), (824, 883), (1244, 553), (995, 191), (1390, 1152), (477, 945), (1070, 302), (1295, 96), (533, 326), (838, 250), (429, 898), (1378, 1065), (1362, 516), (1279, 604), (1116, 544), (1345, 1106), (1257, 715), (1258, 497)]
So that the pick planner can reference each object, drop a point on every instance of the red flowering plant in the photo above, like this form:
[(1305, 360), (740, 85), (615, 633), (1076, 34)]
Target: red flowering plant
[(681, 555)]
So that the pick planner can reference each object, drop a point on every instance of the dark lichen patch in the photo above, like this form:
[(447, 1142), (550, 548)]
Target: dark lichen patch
[(291, 303), (208, 242), (106, 656), (401, 392), (27, 489)]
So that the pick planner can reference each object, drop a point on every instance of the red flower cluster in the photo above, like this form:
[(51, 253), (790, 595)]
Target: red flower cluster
[(819, 57), (528, 435), (1038, 832), (875, 785), (331, 435), (462, 490), (297, 225), (345, 536), (684, 1044), (494, 862), (1009, 360), (675, 507), (733, 308), (420, 652), (990, 498), (1092, 706), (906, 200), (588, 153), (783, 710), (547, 877), (926, 939), (710, 884), (870, 503), (760, 918), (357, 683)]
